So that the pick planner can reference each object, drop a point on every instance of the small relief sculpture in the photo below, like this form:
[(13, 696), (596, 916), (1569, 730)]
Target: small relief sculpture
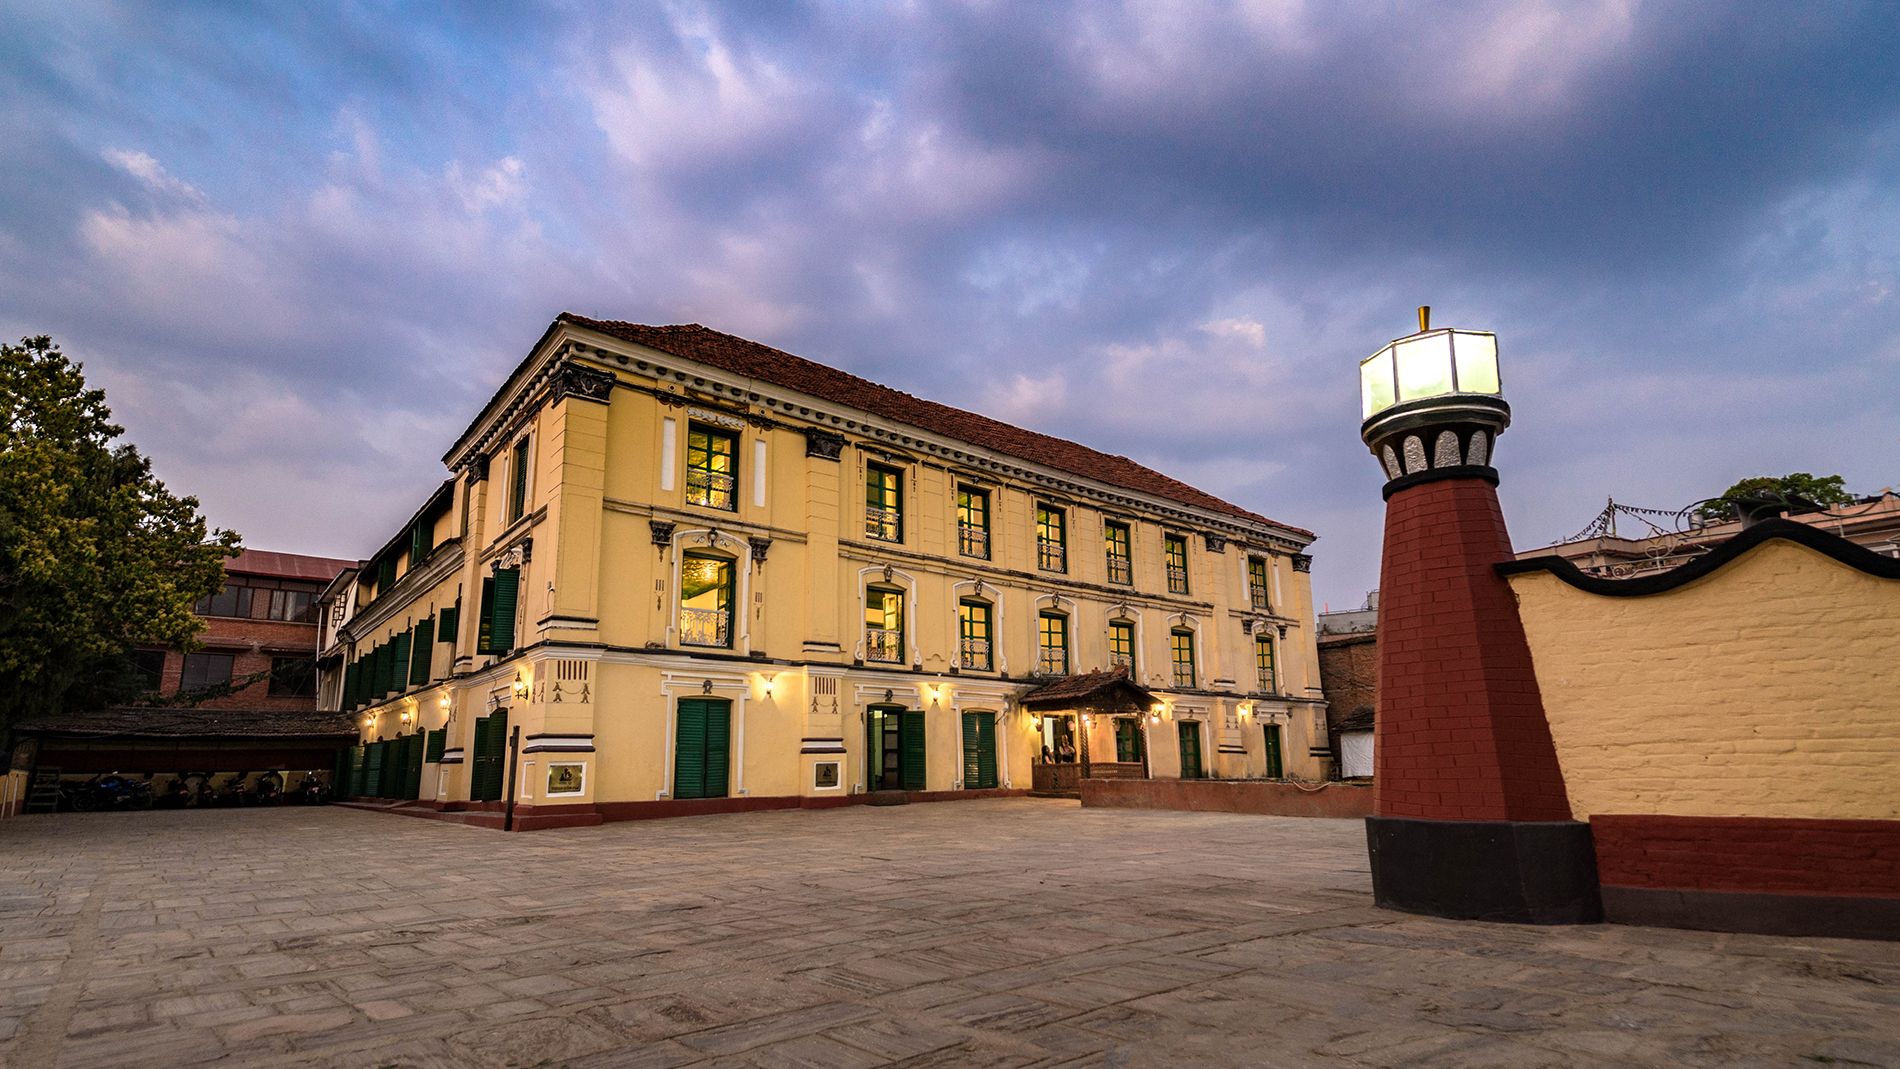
[(1445, 450), (1414, 455), (1479, 453)]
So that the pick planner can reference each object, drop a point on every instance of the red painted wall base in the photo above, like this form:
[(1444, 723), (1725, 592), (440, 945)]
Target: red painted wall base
[(1228, 796)]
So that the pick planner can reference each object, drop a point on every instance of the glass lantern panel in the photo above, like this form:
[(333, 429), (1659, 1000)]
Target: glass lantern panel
[(1375, 383), (1424, 366), (1477, 362)]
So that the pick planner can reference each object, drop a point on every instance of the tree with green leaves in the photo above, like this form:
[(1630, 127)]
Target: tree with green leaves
[(1794, 489), (96, 555)]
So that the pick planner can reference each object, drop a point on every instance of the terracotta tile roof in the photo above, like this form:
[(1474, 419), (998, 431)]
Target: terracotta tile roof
[(192, 723), (732, 353), (1085, 688), (286, 565)]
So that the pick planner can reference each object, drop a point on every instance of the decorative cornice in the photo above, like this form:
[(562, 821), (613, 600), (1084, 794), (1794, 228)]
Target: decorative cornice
[(823, 444), (760, 546), (582, 382), (662, 532), (1302, 562), (1825, 543)]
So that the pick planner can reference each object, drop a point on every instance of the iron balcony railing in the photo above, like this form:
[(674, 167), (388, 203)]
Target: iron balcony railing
[(1267, 682), (973, 541), (881, 523), (705, 627), (1260, 599), (884, 645), (1052, 661), (1177, 579), (1051, 556), (1122, 660), (711, 488), (1184, 675), (1121, 570), (974, 653)]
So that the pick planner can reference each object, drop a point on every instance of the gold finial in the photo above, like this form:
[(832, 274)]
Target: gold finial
[(1424, 318)]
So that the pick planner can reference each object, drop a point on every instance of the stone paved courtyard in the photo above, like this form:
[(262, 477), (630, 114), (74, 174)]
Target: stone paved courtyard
[(1018, 932)]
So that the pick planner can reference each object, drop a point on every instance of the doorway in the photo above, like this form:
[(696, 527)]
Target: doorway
[(893, 749), (1190, 749)]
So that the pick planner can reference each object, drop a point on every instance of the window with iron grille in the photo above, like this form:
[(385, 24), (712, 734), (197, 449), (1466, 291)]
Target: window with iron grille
[(973, 522), (1121, 645), (1052, 539), (712, 468), (706, 600), (1177, 564), (1263, 664), (1052, 650), (884, 625), (1121, 565), (883, 503), (1257, 583), (973, 642), (1183, 643)]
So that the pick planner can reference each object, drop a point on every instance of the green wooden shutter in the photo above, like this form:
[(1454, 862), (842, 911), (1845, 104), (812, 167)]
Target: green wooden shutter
[(972, 764), (412, 756), (451, 617), (350, 676), (420, 542), (438, 743), (373, 676), (394, 771), (910, 744), (986, 752), (373, 771), (383, 665), (399, 662), (491, 743), (353, 788), (484, 641), (478, 760), (689, 749), (718, 749), (421, 651), (501, 625), (1275, 766)]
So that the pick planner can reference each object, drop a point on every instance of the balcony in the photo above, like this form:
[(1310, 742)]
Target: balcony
[(1051, 556), (1184, 676), (882, 524), (712, 489), (1052, 661), (1266, 681), (1120, 570), (974, 653), (705, 627), (1260, 603), (1122, 660), (1177, 579), (883, 645), (973, 541)]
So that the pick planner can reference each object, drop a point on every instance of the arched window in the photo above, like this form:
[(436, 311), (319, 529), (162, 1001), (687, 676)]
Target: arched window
[(706, 600), (884, 625), (975, 649)]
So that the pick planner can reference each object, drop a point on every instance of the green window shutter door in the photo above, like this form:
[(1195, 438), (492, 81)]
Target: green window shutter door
[(438, 742), (689, 749), (412, 785), (451, 616), (485, 642), (384, 662), (399, 662), (501, 625), (718, 749), (1274, 763), (491, 745), (421, 650), (373, 771), (987, 767), (910, 742), (1190, 752), (972, 761), (349, 686), (353, 787), (478, 761), (373, 676), (394, 770)]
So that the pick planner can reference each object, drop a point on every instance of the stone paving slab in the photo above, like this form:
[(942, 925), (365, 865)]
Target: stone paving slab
[(1010, 932)]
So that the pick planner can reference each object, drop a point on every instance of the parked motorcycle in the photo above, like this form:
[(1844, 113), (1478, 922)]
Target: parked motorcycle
[(176, 795), (269, 789), (235, 792), (312, 791), (113, 791)]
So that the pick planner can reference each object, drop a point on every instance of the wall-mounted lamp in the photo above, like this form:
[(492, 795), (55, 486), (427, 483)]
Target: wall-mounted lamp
[(521, 686), (767, 684)]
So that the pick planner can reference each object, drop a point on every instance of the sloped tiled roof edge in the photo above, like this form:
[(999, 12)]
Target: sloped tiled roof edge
[(742, 356)]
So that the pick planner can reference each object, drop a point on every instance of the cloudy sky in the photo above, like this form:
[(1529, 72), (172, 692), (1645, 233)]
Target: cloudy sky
[(300, 247)]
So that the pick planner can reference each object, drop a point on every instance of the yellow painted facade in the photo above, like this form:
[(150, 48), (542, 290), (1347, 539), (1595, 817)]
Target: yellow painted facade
[(1766, 688), (614, 526)]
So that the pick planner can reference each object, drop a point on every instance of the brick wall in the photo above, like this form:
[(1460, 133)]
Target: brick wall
[(1461, 732), (1349, 674), (252, 644), (1750, 854)]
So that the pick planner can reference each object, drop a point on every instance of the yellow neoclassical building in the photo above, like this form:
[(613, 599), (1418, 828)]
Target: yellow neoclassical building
[(677, 571)]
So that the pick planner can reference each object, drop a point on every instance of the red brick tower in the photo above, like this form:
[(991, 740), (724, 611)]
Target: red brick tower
[(1471, 815)]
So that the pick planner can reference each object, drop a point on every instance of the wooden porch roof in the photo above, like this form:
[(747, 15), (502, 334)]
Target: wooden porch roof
[(1107, 691)]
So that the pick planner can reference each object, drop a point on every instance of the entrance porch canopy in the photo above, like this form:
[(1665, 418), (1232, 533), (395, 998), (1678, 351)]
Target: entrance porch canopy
[(1109, 691)]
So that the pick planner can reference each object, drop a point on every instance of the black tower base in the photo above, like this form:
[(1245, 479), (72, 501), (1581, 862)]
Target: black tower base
[(1516, 872)]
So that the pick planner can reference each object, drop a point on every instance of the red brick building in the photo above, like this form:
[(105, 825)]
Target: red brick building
[(260, 636)]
